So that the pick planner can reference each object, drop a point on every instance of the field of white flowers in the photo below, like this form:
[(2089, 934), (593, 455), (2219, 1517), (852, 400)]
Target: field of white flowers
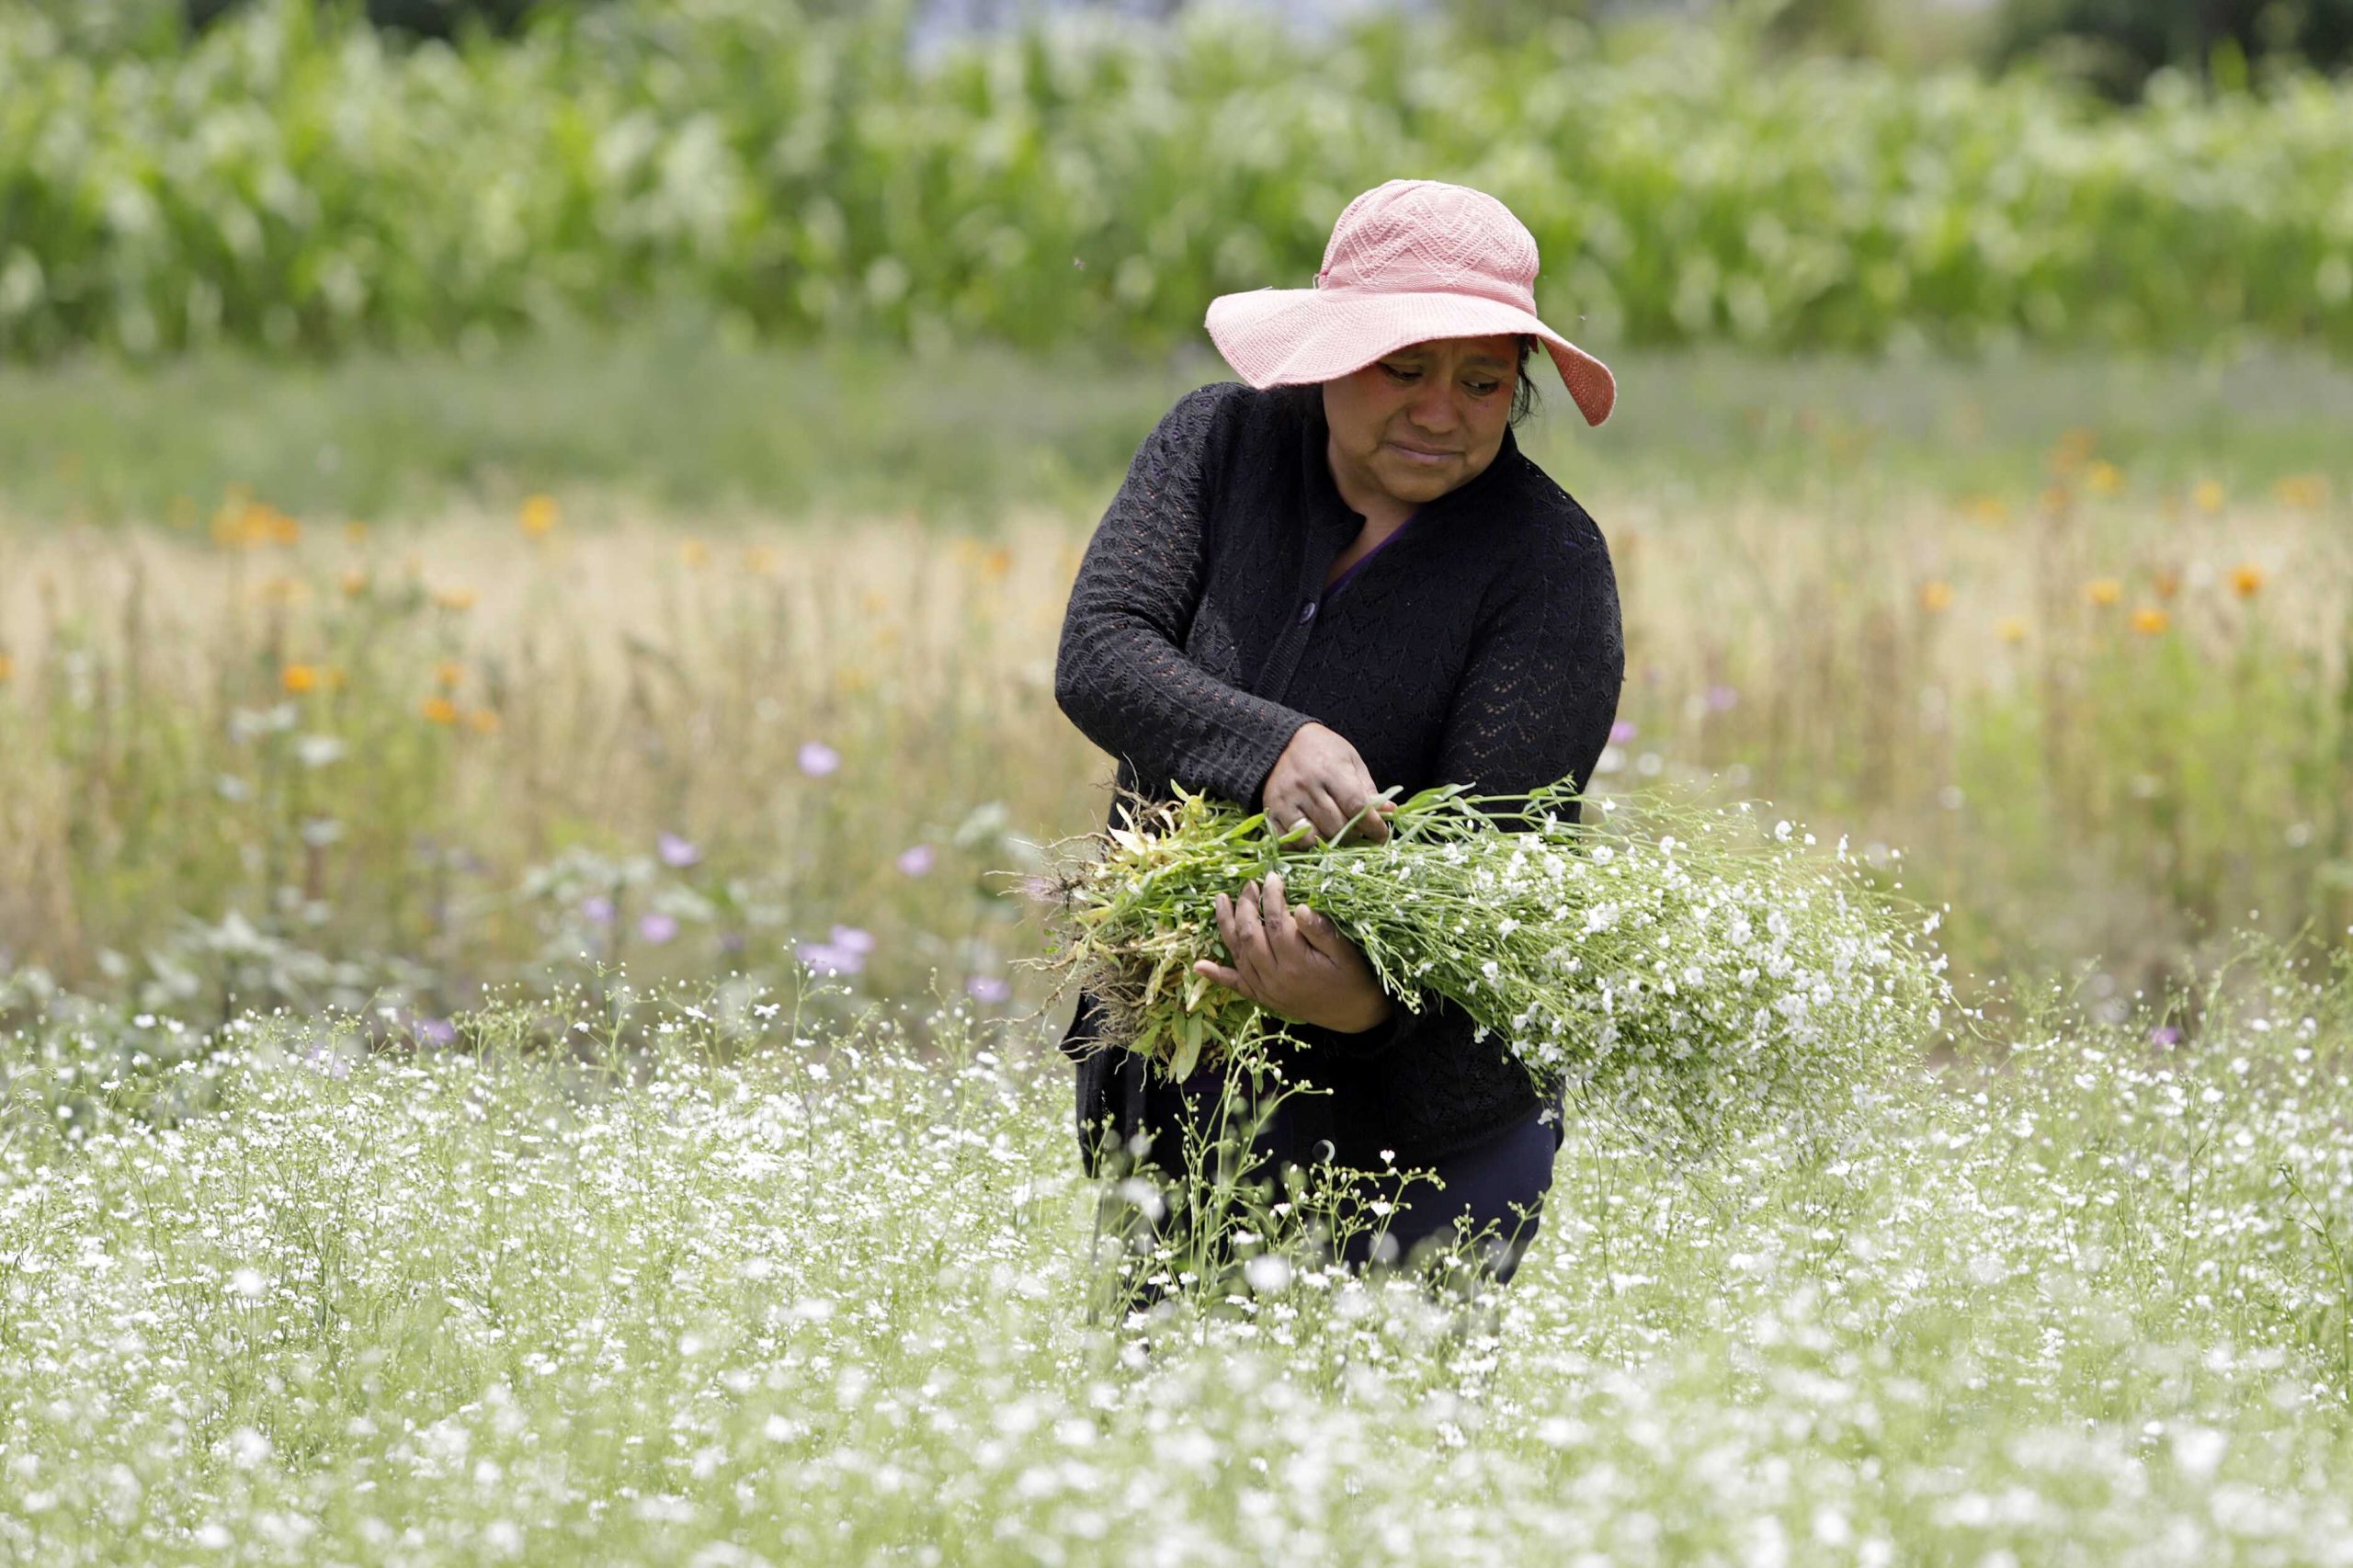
[(750, 1292)]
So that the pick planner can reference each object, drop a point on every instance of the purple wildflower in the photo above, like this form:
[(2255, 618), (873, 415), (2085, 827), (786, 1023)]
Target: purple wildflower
[(850, 940), (1622, 731), (434, 1032), (676, 853), (828, 957), (598, 908), (2164, 1034), (657, 928), (817, 759), (987, 988), (1720, 697), (916, 860)]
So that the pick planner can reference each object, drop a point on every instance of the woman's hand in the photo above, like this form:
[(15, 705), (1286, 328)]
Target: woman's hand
[(1320, 779), (1295, 963)]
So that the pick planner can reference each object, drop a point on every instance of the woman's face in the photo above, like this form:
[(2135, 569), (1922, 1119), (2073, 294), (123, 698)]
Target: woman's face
[(1415, 424)]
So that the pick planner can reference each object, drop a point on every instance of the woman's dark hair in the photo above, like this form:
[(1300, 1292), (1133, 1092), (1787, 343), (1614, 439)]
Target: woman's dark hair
[(1309, 395), (1523, 396)]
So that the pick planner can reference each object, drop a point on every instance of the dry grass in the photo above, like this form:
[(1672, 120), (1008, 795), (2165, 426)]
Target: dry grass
[(1874, 668)]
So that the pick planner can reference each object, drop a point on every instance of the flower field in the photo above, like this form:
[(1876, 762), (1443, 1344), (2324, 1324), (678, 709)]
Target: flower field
[(536, 880), (2104, 716), (519, 1046), (748, 1292)]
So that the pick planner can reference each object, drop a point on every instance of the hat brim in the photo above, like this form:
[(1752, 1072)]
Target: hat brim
[(1286, 336)]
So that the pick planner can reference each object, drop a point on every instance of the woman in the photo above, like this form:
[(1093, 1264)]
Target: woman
[(1341, 576)]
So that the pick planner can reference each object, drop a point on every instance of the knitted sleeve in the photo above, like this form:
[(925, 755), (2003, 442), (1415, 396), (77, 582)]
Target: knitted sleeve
[(1122, 673), (1534, 704)]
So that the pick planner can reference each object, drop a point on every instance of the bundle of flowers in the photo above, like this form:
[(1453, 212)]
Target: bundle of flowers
[(1681, 964)]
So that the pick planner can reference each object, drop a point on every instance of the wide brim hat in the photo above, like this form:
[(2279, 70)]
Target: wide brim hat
[(1408, 260)]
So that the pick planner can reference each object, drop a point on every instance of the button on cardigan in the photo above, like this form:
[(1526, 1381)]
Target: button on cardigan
[(1480, 645)]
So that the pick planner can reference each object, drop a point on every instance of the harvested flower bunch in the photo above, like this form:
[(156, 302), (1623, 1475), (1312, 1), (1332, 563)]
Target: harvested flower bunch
[(1694, 970)]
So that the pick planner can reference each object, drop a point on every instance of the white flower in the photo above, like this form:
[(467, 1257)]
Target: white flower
[(1269, 1272)]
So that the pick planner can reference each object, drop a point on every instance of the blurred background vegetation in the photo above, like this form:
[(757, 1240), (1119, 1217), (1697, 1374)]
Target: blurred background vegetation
[(2119, 42), (290, 179), (490, 491)]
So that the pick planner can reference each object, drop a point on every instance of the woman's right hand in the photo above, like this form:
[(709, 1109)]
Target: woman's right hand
[(1320, 776)]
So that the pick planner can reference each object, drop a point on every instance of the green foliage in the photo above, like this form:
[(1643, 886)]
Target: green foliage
[(1504, 23), (1854, 27), (295, 181), (670, 417), (2119, 43), (103, 28), (424, 18)]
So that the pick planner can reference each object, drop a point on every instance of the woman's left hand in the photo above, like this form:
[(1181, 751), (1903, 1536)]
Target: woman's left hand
[(1295, 963)]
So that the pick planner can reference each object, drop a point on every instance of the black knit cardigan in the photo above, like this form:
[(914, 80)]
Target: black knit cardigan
[(1480, 644)]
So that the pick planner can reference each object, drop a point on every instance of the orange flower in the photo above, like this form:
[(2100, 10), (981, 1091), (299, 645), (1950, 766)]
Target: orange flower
[(440, 710), (539, 514), (694, 552), (2166, 581), (2148, 620), (245, 524), (230, 530), (1989, 510), (299, 678), (1936, 596), (448, 673), (2206, 495), (996, 562), (7, 669), (2011, 628), (2104, 478), (483, 721), (760, 559), (454, 599), (2073, 450), (2246, 579), (355, 583), (2103, 590), (2304, 491), (2057, 498)]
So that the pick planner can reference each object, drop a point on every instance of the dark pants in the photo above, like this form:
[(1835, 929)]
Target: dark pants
[(1494, 1189), (1491, 1195)]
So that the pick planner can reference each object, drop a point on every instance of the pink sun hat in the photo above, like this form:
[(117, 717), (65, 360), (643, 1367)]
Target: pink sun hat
[(1409, 259)]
